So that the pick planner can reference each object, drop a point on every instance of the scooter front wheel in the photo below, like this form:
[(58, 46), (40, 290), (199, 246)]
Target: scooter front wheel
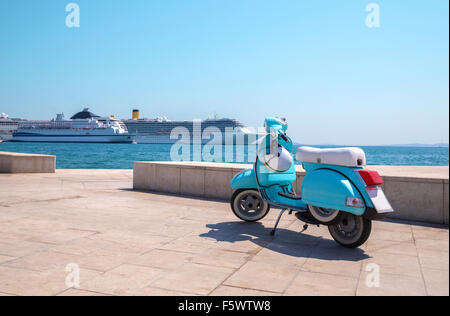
[(248, 205), (351, 231)]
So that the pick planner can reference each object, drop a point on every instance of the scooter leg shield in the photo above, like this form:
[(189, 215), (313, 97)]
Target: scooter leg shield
[(246, 179)]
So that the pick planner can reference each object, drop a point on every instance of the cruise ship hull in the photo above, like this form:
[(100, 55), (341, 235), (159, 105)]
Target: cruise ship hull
[(211, 131), (162, 139), (127, 139), (6, 137)]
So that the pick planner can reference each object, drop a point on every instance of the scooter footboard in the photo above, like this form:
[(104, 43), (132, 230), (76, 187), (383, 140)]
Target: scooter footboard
[(330, 189), (278, 198)]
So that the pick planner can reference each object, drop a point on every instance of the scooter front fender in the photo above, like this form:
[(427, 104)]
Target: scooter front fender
[(330, 189), (245, 179)]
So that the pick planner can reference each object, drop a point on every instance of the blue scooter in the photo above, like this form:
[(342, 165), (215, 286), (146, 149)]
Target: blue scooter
[(337, 191)]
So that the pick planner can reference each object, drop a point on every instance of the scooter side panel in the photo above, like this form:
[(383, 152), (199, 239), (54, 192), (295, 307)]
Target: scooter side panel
[(329, 189), (348, 172), (246, 179)]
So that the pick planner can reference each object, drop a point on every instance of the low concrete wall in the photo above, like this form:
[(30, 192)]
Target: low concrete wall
[(26, 163), (415, 192)]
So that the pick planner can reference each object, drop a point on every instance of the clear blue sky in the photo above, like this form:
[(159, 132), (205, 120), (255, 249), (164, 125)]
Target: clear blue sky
[(314, 62)]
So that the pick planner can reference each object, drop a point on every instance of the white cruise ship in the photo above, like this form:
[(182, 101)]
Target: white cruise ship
[(158, 130), (75, 130), (7, 126)]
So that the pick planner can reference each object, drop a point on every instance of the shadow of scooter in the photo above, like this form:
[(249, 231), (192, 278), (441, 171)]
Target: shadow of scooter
[(286, 242)]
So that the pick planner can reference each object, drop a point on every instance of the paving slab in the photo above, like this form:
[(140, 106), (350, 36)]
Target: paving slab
[(436, 282), (135, 243), (322, 284), (163, 259), (193, 278), (263, 276), (77, 292), (224, 290), (391, 285), (125, 279)]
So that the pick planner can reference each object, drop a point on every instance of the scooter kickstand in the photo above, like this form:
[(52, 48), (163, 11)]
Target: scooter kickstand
[(272, 233)]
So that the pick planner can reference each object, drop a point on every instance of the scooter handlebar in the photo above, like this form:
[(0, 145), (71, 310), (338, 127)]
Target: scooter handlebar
[(285, 138)]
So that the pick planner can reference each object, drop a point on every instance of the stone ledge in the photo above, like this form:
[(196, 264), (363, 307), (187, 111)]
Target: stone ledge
[(416, 193), (26, 163)]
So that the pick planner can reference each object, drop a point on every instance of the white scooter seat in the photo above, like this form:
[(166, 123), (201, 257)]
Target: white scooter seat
[(349, 157)]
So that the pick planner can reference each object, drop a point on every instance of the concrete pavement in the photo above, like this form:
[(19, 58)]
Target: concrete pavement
[(135, 243)]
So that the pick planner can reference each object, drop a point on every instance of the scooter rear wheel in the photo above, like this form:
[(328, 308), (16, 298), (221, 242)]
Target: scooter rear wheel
[(351, 231), (248, 205), (323, 215)]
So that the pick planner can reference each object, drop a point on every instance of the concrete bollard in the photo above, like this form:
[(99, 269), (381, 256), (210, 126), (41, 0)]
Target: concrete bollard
[(26, 163)]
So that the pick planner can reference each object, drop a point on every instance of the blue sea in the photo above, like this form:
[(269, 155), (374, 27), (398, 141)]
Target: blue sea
[(121, 156)]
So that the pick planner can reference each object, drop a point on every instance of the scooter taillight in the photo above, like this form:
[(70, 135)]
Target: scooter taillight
[(371, 178)]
